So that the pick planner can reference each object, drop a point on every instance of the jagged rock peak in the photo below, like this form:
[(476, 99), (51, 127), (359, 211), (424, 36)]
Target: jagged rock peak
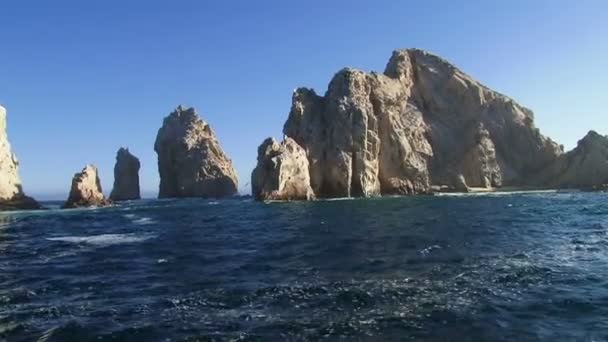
[(126, 177), (282, 172), (12, 196), (585, 167), (421, 123), (191, 162), (86, 190)]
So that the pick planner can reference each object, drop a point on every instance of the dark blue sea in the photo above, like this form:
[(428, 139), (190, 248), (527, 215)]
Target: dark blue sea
[(497, 267)]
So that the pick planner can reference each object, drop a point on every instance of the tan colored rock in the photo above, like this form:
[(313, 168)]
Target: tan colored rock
[(191, 161), (126, 177), (12, 196), (86, 190), (282, 172), (422, 122), (585, 167)]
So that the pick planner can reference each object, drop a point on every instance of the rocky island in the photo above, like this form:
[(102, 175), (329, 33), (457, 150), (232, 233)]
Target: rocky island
[(12, 196), (86, 190), (126, 177), (191, 162), (421, 125)]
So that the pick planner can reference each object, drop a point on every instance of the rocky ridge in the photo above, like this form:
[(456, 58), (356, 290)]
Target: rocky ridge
[(420, 124)]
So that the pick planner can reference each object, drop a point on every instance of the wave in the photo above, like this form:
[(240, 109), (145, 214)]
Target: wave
[(103, 239)]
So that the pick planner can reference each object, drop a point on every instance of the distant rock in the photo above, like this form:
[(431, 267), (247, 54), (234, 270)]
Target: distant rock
[(421, 125), (12, 196), (191, 161), (585, 167), (282, 172), (86, 190), (126, 177)]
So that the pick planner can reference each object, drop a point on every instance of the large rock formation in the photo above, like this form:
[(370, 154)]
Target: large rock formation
[(86, 190), (191, 162), (126, 177), (422, 124), (12, 196), (281, 172), (585, 167)]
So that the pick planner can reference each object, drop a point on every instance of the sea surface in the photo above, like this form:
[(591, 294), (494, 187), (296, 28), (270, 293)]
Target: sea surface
[(492, 267)]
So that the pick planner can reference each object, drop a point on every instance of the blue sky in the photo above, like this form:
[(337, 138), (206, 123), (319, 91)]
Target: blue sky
[(81, 78)]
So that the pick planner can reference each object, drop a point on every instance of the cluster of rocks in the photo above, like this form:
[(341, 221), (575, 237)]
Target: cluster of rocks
[(421, 126)]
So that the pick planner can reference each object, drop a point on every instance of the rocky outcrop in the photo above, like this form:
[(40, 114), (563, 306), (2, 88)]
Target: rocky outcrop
[(421, 123), (282, 172), (191, 161), (86, 190), (126, 177), (12, 196), (585, 167)]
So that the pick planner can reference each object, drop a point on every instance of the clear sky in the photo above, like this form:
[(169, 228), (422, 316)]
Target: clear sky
[(82, 78)]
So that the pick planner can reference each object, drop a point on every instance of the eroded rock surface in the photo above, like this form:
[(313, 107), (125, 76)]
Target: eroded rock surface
[(585, 167), (12, 196), (126, 177), (282, 172), (86, 190), (421, 123), (191, 161)]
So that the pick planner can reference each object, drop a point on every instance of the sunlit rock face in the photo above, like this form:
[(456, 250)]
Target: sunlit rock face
[(191, 161), (422, 122), (12, 196), (126, 177), (86, 190), (282, 172)]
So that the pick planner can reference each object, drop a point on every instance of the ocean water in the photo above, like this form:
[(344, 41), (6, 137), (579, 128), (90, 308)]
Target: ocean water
[(496, 267)]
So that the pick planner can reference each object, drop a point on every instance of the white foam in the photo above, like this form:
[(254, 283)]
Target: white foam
[(143, 221), (103, 239)]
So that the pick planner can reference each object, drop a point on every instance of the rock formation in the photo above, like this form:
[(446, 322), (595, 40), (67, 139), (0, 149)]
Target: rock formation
[(585, 167), (191, 162), (422, 124), (12, 196), (281, 172), (126, 177), (86, 190)]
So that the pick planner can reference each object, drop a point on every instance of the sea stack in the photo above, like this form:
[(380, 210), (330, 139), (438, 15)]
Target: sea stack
[(12, 196), (191, 162), (126, 177), (421, 125), (86, 190), (282, 172), (585, 167)]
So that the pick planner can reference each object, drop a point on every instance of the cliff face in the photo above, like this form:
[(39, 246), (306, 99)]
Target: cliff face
[(421, 123), (86, 190), (585, 167), (191, 161), (11, 192), (126, 177), (282, 172)]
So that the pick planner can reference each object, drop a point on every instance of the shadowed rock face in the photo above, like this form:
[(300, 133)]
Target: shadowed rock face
[(585, 167), (281, 172), (11, 192), (86, 190), (191, 161), (126, 177), (421, 123)]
